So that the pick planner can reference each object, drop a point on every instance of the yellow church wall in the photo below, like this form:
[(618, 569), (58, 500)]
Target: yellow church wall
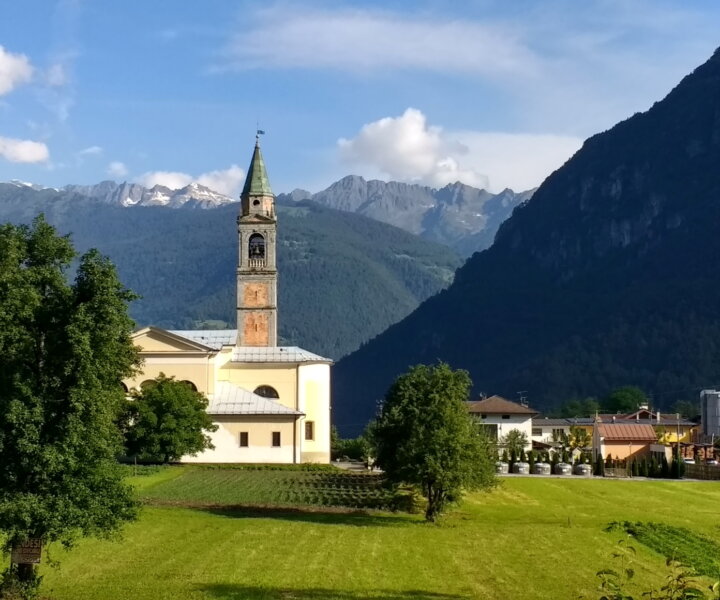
[(251, 375), (259, 450), (314, 401), (183, 368)]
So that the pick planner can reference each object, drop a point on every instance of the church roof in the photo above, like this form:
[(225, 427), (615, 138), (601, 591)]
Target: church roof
[(213, 338), (256, 182), (290, 354), (217, 338), (230, 399)]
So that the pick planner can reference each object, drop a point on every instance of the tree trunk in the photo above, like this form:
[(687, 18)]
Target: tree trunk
[(435, 501)]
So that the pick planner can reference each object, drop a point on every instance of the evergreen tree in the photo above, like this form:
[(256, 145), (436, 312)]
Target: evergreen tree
[(601, 465), (65, 349), (664, 468)]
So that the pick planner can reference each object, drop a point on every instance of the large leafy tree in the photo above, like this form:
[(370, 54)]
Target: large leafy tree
[(64, 349), (424, 436), (167, 420)]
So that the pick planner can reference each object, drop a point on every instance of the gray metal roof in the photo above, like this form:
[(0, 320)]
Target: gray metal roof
[(561, 422), (217, 338), (214, 338), (290, 354), (230, 399)]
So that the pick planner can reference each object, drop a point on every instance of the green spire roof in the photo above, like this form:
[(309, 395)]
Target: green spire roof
[(257, 182)]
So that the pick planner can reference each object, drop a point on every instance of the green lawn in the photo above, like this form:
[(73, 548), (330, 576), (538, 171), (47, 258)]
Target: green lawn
[(529, 539)]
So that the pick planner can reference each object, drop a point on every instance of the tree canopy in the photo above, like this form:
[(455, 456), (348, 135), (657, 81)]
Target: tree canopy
[(424, 436), (625, 399), (515, 441), (65, 349), (167, 420)]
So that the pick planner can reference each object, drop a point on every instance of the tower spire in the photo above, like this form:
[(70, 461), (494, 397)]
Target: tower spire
[(257, 272)]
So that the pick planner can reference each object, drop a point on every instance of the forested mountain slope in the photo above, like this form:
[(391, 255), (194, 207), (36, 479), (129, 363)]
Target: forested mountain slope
[(609, 275), (343, 277)]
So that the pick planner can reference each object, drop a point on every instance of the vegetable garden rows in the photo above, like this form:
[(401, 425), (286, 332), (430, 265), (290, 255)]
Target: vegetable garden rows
[(275, 487)]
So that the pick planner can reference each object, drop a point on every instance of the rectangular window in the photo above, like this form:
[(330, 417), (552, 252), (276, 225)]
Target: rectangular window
[(506, 416), (558, 433), (309, 430), (537, 431), (276, 439), (244, 439)]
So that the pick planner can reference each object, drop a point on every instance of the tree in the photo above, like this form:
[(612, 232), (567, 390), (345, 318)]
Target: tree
[(425, 437), (515, 440), (579, 439), (167, 420), (625, 400), (65, 349), (686, 409), (576, 407)]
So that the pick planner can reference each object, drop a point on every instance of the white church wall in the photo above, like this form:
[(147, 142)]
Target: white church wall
[(259, 450)]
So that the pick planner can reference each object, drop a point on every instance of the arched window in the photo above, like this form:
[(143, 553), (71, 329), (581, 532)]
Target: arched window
[(147, 384), (266, 391), (190, 384), (256, 246)]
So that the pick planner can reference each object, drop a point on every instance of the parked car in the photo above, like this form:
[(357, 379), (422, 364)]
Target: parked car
[(712, 462), (689, 461)]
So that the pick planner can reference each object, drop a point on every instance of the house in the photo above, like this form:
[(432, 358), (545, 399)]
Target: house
[(622, 439), (500, 416), (669, 429), (271, 403)]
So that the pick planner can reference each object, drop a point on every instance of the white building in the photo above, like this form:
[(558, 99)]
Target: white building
[(501, 416)]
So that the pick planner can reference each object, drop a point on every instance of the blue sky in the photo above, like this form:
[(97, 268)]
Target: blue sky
[(491, 93)]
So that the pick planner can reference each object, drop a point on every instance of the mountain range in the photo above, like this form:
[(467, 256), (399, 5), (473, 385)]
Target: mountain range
[(126, 194), (609, 275), (457, 215)]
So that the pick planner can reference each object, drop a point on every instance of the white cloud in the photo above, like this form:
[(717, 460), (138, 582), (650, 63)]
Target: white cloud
[(91, 151), (406, 148), (15, 69), (363, 39), (519, 161), (23, 151), (170, 179), (226, 181), (117, 169)]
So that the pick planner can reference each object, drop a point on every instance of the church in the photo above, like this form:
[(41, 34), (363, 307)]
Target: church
[(271, 403)]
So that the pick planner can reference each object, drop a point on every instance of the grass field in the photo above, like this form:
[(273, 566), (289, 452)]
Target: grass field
[(532, 538)]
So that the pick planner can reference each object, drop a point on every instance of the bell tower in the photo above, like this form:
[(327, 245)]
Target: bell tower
[(257, 266)]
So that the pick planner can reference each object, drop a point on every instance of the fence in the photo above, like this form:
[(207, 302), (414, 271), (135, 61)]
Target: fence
[(616, 472), (702, 471)]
